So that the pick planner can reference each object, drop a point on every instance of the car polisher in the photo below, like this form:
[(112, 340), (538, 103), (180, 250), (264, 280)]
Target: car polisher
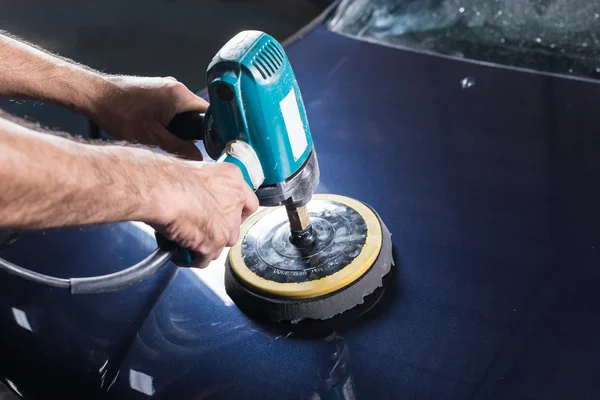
[(302, 256)]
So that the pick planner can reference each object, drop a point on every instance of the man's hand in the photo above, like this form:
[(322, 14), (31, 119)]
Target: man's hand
[(203, 211), (137, 109), (129, 108), (49, 181)]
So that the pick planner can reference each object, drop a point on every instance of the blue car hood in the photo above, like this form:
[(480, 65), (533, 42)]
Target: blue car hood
[(491, 196)]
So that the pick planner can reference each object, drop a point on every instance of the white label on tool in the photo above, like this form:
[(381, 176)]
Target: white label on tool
[(293, 124)]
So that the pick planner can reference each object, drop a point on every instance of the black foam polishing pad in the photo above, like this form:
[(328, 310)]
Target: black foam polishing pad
[(269, 277)]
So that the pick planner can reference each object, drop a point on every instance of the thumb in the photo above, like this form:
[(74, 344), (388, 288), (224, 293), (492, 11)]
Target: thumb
[(191, 102)]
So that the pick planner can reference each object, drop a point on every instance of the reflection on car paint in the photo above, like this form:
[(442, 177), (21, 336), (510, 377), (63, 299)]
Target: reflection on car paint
[(141, 382), (21, 318), (467, 82), (77, 339), (13, 387), (212, 277), (204, 345)]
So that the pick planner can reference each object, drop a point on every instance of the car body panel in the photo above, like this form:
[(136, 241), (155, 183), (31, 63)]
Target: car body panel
[(491, 195), (58, 345)]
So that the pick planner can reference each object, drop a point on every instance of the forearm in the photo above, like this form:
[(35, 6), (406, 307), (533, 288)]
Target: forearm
[(49, 181), (31, 73)]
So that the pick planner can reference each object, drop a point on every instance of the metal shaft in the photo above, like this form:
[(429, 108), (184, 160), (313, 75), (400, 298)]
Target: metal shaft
[(301, 230), (298, 216)]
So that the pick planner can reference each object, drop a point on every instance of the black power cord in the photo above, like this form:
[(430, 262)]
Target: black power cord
[(99, 284)]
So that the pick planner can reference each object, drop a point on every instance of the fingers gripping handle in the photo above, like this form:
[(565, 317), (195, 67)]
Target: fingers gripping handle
[(239, 153), (191, 126), (186, 126)]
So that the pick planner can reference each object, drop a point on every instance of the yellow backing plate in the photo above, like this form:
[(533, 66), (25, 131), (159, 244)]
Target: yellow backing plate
[(319, 287)]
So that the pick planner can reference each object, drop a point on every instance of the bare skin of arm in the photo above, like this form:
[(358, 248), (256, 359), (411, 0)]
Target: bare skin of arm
[(50, 181), (135, 109)]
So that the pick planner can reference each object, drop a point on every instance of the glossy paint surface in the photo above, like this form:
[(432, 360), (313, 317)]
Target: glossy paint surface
[(491, 193), (56, 345)]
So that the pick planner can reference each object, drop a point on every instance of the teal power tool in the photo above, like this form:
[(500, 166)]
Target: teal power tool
[(317, 256), (302, 256), (257, 121), (256, 104)]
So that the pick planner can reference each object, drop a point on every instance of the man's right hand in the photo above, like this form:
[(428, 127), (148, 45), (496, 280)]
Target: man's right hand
[(203, 208), (49, 181)]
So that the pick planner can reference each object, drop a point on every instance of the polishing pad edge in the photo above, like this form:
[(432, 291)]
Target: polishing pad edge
[(320, 287)]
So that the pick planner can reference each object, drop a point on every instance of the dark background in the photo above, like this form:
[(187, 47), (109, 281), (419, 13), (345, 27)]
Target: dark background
[(141, 37)]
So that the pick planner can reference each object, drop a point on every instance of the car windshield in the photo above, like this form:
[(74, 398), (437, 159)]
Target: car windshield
[(557, 36)]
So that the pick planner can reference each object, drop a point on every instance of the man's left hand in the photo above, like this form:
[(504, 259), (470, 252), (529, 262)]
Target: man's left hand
[(137, 110)]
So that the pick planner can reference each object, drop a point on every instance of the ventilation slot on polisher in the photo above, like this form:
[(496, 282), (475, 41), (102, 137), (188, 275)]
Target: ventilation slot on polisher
[(268, 60)]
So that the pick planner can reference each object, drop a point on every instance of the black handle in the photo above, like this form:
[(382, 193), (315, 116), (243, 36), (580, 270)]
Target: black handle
[(187, 126)]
